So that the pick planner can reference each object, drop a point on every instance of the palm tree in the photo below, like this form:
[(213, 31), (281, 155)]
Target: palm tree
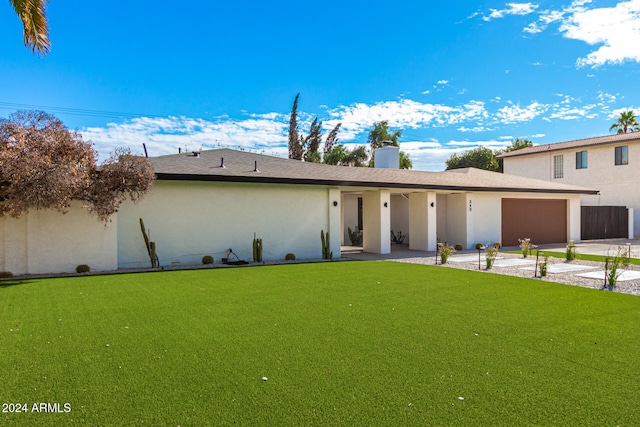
[(33, 15), (625, 123)]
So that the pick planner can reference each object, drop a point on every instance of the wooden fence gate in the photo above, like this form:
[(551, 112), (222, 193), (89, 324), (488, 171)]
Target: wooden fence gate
[(604, 222)]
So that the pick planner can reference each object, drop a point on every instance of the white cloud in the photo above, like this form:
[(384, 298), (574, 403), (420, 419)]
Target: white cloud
[(443, 82), (512, 9), (268, 132), (574, 113), (616, 29), (546, 17), (606, 98), (473, 129), (534, 28), (405, 113), (513, 113), (166, 135), (614, 114)]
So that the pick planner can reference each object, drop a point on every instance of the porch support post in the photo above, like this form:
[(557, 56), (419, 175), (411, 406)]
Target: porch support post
[(335, 221), (376, 221), (422, 221), (573, 218)]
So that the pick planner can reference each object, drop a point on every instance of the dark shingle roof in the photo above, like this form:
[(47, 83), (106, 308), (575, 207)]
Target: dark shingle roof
[(239, 166), (578, 143)]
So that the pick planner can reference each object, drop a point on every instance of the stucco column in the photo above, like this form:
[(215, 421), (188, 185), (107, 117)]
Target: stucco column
[(422, 221), (573, 218), (335, 221), (376, 221)]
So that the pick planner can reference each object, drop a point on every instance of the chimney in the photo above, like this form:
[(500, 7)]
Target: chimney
[(387, 156)]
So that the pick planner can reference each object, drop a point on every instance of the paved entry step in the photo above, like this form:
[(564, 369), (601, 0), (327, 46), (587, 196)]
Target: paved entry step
[(624, 275), (562, 268)]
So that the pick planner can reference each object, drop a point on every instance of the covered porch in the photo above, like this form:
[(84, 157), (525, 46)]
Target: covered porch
[(417, 220)]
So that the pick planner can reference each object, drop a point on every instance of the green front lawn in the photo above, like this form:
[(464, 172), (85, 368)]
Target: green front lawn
[(343, 343)]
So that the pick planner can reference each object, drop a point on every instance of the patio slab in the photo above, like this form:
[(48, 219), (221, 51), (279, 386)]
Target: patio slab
[(562, 268), (624, 275), (512, 262), (467, 258)]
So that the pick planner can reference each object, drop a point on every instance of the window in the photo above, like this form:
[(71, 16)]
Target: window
[(622, 155), (557, 166), (581, 160), (360, 221)]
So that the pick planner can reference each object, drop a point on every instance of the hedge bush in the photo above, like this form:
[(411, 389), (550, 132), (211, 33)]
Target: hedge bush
[(82, 268)]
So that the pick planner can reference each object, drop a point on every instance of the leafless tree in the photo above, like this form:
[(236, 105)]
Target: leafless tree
[(43, 165)]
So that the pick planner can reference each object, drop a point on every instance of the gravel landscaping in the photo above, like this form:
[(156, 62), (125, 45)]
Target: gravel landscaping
[(526, 270)]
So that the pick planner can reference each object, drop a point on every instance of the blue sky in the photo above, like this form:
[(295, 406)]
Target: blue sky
[(450, 75)]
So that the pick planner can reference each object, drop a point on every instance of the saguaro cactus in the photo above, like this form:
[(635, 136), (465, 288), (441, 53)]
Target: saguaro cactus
[(326, 246), (257, 249), (151, 246)]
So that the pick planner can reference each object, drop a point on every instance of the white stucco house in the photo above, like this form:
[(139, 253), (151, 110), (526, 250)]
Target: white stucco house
[(607, 163), (204, 203)]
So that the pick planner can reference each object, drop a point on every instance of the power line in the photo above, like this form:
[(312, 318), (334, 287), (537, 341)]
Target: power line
[(72, 111)]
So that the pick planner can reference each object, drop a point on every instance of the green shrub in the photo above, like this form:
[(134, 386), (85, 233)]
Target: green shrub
[(490, 256), (544, 267), (526, 246), (290, 257), (207, 259), (82, 268), (479, 246), (571, 250), (613, 265), (497, 245), (458, 247), (6, 274), (446, 250)]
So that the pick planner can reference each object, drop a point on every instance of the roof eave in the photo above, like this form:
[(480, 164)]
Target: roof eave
[(342, 183)]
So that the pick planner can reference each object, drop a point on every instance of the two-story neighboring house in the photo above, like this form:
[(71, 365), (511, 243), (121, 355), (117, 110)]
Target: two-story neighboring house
[(610, 164)]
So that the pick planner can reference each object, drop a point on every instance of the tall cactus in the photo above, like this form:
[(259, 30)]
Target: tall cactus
[(326, 246), (151, 246), (257, 249)]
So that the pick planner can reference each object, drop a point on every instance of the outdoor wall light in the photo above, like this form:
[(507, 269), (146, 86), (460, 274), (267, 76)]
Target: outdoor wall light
[(432, 204), (386, 204), (335, 203)]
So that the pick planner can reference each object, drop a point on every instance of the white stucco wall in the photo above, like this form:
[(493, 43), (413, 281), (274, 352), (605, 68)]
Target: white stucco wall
[(400, 215), (46, 241), (456, 219), (349, 215), (376, 214), (484, 219), (618, 184), (423, 221), (441, 215), (191, 219)]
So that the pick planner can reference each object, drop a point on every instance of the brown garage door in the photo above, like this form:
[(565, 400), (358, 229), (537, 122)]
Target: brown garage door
[(542, 220)]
